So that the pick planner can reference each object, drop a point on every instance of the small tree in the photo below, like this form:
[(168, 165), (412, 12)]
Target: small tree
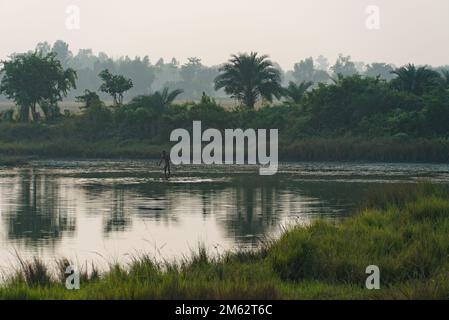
[(344, 66), (34, 79), (157, 100), (90, 99), (295, 92), (115, 85)]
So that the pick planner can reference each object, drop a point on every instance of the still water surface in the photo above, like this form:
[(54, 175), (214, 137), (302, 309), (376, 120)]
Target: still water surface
[(108, 211)]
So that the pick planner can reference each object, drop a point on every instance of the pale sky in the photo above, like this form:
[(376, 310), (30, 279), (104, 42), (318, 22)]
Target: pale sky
[(288, 30)]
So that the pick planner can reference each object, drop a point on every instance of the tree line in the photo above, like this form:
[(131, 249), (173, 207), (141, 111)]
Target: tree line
[(412, 102), (193, 77)]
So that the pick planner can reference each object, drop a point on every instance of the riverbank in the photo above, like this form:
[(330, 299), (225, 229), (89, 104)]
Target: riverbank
[(402, 230), (318, 149)]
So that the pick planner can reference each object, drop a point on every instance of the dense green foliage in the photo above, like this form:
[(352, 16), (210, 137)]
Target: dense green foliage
[(402, 119), (115, 85), (402, 230), (352, 106), (193, 77), (34, 79)]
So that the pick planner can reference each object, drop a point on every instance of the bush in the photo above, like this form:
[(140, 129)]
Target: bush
[(407, 239)]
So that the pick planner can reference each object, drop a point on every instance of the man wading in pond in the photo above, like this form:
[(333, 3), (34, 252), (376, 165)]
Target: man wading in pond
[(166, 159)]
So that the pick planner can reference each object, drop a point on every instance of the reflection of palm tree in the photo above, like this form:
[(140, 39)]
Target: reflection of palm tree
[(118, 220), (254, 215), (206, 202), (149, 204), (254, 212), (37, 213), (246, 211)]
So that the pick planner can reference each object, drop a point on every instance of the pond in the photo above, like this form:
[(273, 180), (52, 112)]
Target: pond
[(107, 211)]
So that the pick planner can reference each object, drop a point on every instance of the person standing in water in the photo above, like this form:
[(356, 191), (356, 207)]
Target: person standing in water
[(166, 159)]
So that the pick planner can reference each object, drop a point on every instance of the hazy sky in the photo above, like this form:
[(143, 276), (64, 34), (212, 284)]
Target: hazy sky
[(288, 30)]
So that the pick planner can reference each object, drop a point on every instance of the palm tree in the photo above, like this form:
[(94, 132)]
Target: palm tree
[(294, 92), (248, 77), (157, 100), (415, 80), (166, 97), (154, 104)]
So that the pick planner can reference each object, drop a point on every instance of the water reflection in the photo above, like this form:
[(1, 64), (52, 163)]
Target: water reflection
[(41, 207), (80, 208), (118, 219), (34, 210)]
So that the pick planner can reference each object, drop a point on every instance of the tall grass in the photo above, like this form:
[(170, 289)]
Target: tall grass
[(68, 139), (67, 148), (363, 149), (34, 273), (403, 230), (338, 149)]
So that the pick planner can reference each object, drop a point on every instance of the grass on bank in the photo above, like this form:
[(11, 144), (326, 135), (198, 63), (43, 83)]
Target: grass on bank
[(403, 230), (316, 149), (81, 149), (15, 161)]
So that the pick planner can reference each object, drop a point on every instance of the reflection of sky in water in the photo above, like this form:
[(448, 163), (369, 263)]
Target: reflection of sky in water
[(108, 211)]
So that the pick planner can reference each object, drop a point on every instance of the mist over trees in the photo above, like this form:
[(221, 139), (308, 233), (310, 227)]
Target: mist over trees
[(347, 104), (193, 77)]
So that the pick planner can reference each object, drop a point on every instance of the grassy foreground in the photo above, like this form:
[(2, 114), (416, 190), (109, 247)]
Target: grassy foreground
[(404, 231)]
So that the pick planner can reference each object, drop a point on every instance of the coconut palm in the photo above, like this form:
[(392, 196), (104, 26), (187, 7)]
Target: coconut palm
[(149, 108), (415, 79), (157, 100), (294, 92), (249, 77), (166, 97)]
